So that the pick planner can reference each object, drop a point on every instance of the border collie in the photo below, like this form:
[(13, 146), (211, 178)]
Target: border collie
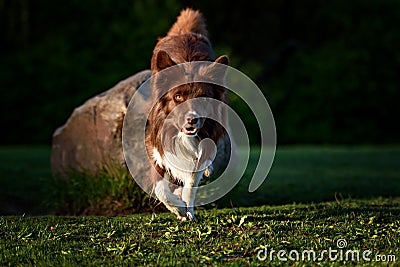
[(182, 131)]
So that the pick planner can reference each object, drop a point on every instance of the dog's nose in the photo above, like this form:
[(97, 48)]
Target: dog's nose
[(192, 119)]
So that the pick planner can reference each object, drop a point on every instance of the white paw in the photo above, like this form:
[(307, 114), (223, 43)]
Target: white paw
[(181, 218), (181, 211), (190, 215)]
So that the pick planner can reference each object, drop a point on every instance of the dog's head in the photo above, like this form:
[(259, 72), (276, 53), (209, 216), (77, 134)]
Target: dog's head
[(174, 107)]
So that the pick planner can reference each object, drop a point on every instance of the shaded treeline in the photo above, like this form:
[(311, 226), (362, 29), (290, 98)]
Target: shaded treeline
[(329, 69)]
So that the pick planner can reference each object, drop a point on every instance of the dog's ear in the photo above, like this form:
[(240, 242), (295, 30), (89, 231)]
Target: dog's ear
[(222, 60), (163, 61), (216, 71)]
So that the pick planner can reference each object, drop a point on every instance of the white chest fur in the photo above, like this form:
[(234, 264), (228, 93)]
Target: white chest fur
[(182, 163)]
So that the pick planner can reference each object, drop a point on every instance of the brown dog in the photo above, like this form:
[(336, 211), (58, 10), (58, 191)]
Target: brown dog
[(186, 41)]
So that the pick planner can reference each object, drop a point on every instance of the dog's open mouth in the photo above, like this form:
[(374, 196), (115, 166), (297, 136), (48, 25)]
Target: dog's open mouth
[(190, 130)]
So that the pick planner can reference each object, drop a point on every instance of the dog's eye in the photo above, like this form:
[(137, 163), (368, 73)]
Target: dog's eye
[(178, 97)]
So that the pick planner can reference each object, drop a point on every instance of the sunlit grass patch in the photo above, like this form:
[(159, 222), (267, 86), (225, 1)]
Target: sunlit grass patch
[(218, 237)]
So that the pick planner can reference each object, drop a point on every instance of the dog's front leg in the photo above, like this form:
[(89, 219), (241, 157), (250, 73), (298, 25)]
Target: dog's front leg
[(171, 201), (189, 193)]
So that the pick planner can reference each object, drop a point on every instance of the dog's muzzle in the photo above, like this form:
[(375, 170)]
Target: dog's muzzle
[(193, 123)]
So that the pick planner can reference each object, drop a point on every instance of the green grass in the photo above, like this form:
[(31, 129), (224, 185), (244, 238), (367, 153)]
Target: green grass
[(25, 178), (313, 196), (229, 237), (300, 174), (304, 174), (107, 193)]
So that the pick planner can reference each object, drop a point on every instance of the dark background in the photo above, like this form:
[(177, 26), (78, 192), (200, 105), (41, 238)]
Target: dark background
[(329, 69)]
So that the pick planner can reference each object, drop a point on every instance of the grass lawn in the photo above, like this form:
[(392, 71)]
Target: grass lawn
[(304, 174), (25, 178), (229, 237), (313, 197)]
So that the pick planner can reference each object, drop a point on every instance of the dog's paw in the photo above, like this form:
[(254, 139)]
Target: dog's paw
[(190, 216), (178, 211), (182, 211), (181, 218)]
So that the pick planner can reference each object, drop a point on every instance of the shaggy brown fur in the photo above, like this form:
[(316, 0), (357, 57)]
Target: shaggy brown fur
[(186, 41), (189, 21)]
